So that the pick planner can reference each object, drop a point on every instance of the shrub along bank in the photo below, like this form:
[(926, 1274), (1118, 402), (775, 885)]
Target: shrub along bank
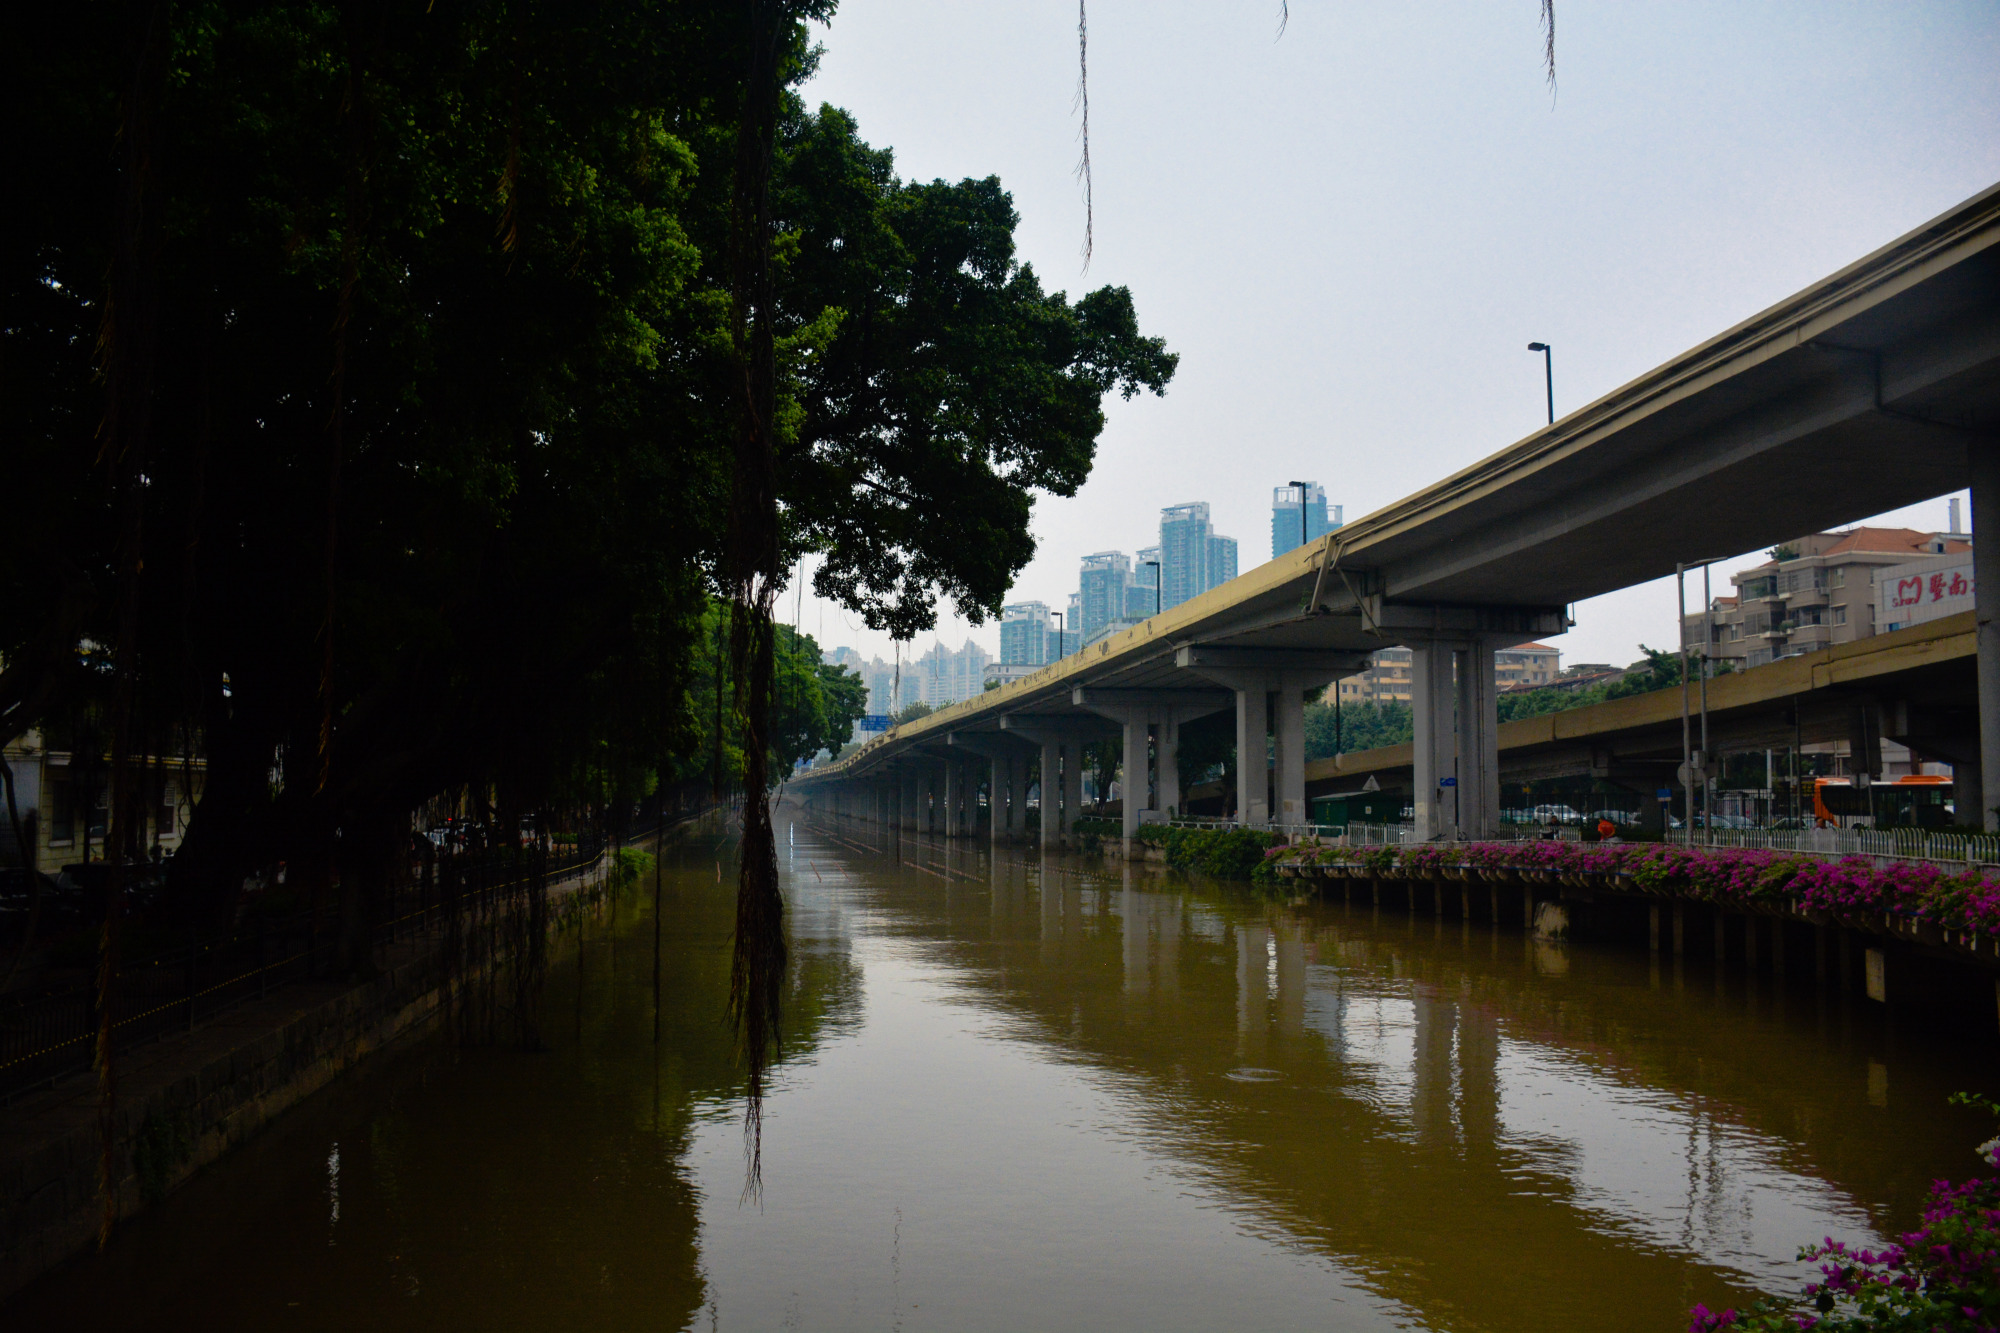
[(1965, 899), (1220, 853)]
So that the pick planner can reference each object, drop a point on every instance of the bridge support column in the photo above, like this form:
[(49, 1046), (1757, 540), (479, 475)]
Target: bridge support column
[(1017, 797), (1288, 747), (1253, 773), (1072, 787), (1004, 796), (1984, 465), (1061, 742), (1433, 698), (950, 778), (1151, 724), (1271, 685), (1049, 796), (1457, 743), (1137, 793), (966, 812)]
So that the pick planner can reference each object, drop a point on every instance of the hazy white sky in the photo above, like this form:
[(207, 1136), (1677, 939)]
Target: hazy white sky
[(1351, 233)]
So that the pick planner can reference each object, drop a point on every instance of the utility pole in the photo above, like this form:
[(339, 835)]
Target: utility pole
[(1687, 736)]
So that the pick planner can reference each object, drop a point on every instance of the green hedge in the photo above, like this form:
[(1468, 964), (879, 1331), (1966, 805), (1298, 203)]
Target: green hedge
[(1220, 853)]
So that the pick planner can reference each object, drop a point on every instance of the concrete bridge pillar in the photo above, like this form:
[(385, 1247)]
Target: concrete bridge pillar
[(1271, 685), (1253, 774), (1978, 791), (1150, 721), (1017, 796), (1072, 787), (1061, 744), (1288, 751), (1048, 794), (953, 811), (1004, 798), (1455, 702)]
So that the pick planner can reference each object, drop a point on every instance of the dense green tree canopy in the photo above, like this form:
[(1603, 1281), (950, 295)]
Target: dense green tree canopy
[(942, 387), (383, 354)]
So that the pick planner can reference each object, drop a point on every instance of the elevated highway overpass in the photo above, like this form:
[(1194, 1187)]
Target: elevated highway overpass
[(1914, 686), (1875, 387)]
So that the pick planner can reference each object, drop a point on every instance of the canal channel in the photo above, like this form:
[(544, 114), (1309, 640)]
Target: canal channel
[(1021, 1092)]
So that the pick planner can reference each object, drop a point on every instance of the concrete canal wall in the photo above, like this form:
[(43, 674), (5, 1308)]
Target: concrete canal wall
[(187, 1102)]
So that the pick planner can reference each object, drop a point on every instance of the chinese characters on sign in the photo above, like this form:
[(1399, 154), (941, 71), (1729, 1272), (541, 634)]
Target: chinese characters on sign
[(1918, 589), (1922, 590)]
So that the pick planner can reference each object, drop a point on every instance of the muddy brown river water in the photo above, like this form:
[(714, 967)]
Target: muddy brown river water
[(1033, 1094)]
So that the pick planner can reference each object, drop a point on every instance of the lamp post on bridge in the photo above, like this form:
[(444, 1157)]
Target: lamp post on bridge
[(1548, 375), (1156, 582), (1301, 487)]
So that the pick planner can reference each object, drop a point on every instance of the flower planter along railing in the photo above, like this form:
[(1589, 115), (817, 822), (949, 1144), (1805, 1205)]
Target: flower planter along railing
[(1934, 903)]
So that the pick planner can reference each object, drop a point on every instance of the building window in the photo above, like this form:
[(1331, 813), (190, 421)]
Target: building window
[(1840, 615), (62, 812), (1836, 578), (163, 816)]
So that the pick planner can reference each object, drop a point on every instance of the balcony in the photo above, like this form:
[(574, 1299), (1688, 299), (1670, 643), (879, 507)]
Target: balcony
[(1807, 597)]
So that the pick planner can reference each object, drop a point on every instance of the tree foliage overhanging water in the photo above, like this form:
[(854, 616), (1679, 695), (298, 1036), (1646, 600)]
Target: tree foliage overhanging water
[(374, 377)]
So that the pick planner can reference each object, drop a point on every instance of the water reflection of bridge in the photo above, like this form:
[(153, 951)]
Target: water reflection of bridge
[(1450, 1110)]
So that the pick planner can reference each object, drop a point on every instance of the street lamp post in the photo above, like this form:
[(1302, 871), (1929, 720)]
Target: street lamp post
[(1059, 634), (1156, 582), (1301, 485), (1548, 374)]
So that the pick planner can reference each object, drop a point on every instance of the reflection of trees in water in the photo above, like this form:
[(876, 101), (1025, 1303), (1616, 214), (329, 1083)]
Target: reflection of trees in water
[(490, 1187)]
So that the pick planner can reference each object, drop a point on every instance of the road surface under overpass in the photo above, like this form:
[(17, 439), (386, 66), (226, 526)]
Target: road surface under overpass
[(1876, 387)]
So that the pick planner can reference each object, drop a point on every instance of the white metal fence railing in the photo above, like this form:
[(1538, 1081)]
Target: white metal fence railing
[(1912, 844)]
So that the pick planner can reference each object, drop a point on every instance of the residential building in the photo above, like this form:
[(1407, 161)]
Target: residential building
[(1527, 666), (1006, 673), (1826, 588), (1147, 592), (1391, 673), (1388, 679), (1288, 531), (1106, 577), (1027, 634), (62, 797), (1221, 561), (1111, 627), (946, 677), (1193, 556)]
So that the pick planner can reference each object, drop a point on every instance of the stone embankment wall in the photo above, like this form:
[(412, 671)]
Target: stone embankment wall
[(186, 1109), (50, 1207)]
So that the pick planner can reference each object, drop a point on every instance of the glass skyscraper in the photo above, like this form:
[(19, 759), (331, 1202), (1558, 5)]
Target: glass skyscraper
[(1027, 634), (1106, 576), (1285, 525), (1193, 556)]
